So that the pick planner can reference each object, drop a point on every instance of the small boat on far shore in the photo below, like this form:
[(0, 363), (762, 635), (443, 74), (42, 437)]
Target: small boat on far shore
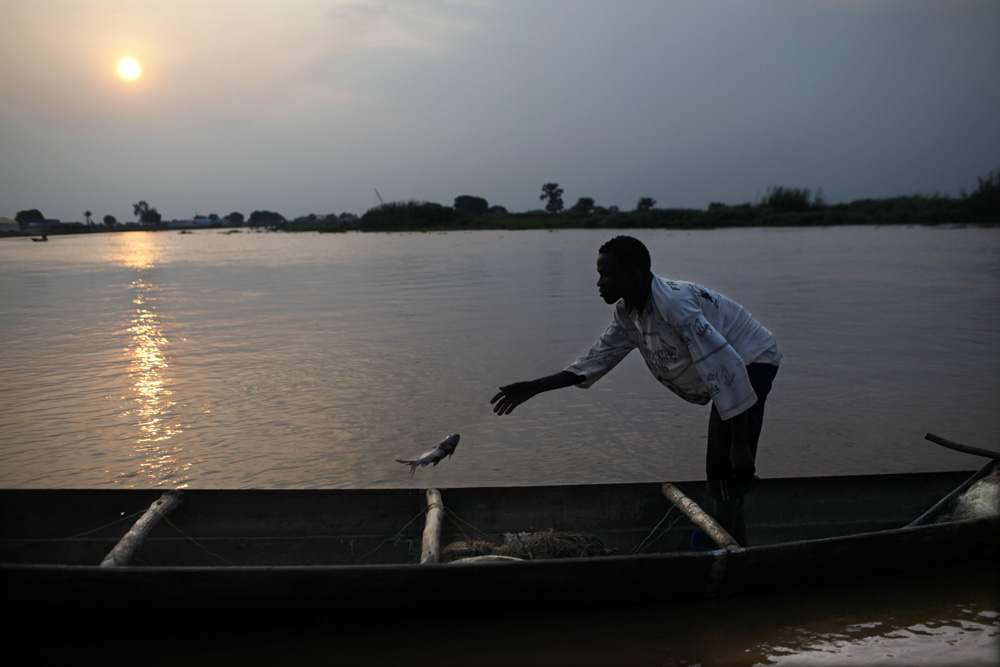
[(44, 237)]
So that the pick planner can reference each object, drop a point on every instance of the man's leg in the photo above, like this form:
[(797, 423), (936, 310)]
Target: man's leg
[(729, 515), (726, 492)]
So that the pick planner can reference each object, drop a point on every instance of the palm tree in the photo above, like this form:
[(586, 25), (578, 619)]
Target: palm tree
[(553, 193), (87, 214)]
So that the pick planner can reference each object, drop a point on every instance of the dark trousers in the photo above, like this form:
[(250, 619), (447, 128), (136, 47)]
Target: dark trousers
[(726, 491), (718, 469)]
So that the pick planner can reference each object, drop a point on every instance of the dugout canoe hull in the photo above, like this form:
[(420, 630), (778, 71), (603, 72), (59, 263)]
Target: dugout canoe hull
[(284, 552)]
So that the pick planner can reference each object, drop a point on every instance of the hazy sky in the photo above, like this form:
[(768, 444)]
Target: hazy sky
[(308, 106)]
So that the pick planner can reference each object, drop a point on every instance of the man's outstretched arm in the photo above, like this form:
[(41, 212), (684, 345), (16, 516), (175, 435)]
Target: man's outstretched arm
[(512, 395)]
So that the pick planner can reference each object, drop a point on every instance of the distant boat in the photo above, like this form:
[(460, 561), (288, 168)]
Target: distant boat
[(45, 237)]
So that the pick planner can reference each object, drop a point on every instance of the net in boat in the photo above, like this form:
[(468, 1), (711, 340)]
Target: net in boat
[(529, 546)]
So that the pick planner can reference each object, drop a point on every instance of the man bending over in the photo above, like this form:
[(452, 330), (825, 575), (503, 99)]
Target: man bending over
[(698, 344)]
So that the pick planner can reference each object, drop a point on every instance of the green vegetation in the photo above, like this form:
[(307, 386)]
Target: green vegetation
[(470, 205), (267, 219), (29, 215), (412, 215), (552, 194), (986, 199), (780, 207), (146, 214), (791, 200)]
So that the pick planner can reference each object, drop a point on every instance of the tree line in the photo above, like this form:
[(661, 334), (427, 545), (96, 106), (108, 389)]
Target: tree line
[(779, 206), (149, 216)]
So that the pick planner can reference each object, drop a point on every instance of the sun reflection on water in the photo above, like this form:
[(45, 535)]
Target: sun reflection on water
[(135, 250), (151, 403), (148, 366)]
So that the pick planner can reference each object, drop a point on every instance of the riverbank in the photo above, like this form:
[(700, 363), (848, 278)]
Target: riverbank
[(791, 212), (782, 207), (794, 212)]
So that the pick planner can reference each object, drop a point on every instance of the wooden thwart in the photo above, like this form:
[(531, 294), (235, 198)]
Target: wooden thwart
[(430, 551), (130, 543), (699, 516), (962, 448)]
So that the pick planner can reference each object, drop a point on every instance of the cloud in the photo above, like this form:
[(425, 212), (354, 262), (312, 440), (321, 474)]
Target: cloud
[(418, 25), (305, 106), (199, 59)]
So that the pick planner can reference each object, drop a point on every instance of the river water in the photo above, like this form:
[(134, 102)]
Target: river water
[(215, 360), (239, 360)]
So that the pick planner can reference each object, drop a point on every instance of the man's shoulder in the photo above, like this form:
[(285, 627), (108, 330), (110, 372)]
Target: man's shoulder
[(670, 284), (667, 291), (675, 301)]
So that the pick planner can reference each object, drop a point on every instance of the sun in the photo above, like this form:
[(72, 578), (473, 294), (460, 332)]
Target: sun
[(129, 69)]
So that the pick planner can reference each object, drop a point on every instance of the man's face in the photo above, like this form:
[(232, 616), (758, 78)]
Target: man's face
[(615, 282)]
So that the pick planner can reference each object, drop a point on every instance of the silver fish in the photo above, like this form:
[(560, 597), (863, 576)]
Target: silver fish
[(436, 455)]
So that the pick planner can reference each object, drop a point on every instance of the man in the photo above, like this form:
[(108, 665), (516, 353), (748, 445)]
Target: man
[(697, 343)]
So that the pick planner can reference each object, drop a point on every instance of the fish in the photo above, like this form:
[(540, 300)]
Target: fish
[(445, 448)]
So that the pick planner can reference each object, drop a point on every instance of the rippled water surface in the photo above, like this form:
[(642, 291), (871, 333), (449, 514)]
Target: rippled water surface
[(308, 360), (214, 360)]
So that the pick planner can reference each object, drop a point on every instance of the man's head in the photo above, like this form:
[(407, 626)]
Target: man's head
[(630, 252), (623, 265)]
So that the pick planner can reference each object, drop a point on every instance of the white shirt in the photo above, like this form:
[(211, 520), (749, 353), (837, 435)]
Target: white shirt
[(695, 341)]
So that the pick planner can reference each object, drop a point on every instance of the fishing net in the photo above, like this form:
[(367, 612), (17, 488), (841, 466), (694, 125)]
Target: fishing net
[(529, 546)]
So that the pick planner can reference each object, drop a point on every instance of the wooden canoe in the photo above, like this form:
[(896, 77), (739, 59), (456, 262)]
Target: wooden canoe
[(358, 551)]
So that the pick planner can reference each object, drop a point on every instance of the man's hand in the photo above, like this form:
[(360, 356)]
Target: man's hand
[(511, 396)]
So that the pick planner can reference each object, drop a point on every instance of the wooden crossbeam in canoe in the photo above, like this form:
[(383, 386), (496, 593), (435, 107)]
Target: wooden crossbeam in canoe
[(130, 543), (699, 517)]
